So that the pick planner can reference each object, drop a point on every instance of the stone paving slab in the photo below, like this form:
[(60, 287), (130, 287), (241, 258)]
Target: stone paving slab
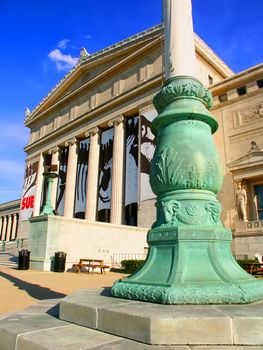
[(71, 337), (165, 324), (37, 328)]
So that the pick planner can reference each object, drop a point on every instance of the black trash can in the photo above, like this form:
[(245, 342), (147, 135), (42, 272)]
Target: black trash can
[(60, 261), (23, 259)]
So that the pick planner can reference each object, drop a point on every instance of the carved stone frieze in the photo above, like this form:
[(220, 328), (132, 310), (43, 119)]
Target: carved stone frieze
[(248, 115)]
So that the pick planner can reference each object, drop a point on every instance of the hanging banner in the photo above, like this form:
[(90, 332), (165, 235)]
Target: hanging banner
[(29, 191), (63, 160), (81, 179), (105, 170), (131, 174), (148, 144)]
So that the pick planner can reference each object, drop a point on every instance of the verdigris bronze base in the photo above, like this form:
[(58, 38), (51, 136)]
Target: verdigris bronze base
[(190, 266), (190, 260)]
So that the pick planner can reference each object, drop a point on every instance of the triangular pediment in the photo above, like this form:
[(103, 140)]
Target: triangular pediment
[(253, 158), (93, 66)]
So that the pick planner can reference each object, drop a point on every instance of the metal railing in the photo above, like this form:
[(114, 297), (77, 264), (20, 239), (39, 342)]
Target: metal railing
[(117, 258)]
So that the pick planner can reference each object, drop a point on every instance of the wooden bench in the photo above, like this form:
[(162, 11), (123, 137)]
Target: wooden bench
[(91, 264), (254, 268)]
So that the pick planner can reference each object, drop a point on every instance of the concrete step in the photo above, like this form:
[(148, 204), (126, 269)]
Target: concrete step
[(38, 328), (165, 324), (9, 257)]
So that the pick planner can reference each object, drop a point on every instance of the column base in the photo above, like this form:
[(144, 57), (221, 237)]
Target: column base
[(189, 265)]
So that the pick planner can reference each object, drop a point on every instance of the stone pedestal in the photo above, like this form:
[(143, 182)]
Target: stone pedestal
[(232, 325)]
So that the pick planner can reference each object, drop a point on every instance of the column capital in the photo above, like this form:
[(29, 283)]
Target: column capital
[(53, 150), (71, 141), (92, 131), (116, 121)]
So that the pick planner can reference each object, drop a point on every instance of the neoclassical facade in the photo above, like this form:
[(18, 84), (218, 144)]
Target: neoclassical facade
[(95, 127), (9, 217)]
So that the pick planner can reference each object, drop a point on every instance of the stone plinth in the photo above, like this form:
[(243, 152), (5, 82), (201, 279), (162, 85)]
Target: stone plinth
[(165, 324)]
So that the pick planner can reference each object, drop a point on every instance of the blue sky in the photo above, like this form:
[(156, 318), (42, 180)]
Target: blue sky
[(40, 41)]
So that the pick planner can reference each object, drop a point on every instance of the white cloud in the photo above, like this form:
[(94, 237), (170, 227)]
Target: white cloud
[(63, 62), (88, 36), (62, 44)]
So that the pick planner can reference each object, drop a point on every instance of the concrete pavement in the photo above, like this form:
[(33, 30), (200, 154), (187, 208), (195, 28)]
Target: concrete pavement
[(23, 288)]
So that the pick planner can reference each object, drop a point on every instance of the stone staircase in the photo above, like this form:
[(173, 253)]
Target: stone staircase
[(9, 253)]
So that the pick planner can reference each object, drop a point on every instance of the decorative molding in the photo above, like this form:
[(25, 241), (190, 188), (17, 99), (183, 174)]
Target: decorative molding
[(53, 150), (92, 131), (182, 87), (116, 121), (71, 141), (225, 293), (248, 116), (171, 170)]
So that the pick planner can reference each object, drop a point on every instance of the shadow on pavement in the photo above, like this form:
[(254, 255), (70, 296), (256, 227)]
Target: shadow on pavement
[(34, 290)]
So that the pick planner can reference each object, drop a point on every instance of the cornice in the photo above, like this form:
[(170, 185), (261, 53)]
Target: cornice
[(237, 80), (210, 55), (118, 100), (96, 79), (201, 47)]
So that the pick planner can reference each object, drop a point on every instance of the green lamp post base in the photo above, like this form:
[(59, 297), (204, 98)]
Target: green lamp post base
[(47, 207), (188, 265), (190, 259)]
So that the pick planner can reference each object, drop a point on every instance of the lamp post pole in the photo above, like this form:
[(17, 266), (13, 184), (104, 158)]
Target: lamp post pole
[(190, 259), (47, 207)]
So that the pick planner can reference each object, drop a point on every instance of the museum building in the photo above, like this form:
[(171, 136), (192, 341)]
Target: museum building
[(95, 127)]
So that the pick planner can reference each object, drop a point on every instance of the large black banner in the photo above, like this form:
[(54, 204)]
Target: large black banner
[(148, 144), (63, 161), (105, 171), (81, 179), (131, 175)]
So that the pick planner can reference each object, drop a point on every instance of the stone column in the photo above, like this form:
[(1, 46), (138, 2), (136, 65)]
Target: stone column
[(117, 170), (3, 228), (93, 173), (39, 186), (70, 177), (8, 228), (54, 161), (14, 227), (179, 49)]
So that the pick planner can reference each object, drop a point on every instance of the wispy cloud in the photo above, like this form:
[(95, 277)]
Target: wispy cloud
[(63, 62), (62, 44), (87, 36)]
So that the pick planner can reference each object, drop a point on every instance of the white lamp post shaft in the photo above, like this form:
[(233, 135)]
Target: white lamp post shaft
[(179, 49)]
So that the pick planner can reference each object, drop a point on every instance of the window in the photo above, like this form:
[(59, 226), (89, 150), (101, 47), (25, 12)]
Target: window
[(210, 80), (260, 83), (258, 200), (223, 98), (242, 90)]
